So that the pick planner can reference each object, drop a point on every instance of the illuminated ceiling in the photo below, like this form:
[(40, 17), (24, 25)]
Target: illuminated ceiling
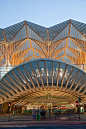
[(41, 80), (24, 41)]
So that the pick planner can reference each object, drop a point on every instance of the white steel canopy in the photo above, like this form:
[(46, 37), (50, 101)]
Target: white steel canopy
[(43, 79)]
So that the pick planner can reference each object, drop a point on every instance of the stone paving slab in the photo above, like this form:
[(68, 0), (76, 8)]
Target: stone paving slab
[(44, 125), (27, 120), (43, 122)]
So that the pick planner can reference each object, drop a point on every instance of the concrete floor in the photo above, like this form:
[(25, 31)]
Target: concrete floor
[(62, 117)]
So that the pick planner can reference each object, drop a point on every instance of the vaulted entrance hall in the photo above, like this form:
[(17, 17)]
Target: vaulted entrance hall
[(45, 81)]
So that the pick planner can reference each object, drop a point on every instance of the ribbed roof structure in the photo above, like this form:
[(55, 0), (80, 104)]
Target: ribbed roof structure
[(53, 74), (24, 41), (43, 79)]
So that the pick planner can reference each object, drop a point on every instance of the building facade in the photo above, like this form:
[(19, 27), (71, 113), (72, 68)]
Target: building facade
[(44, 62), (26, 41)]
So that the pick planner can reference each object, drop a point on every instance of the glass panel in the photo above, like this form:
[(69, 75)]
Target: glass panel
[(49, 71), (60, 53), (21, 35), (43, 73), (34, 45), (7, 86), (18, 75), (80, 84), (3, 88), (36, 70), (55, 72), (62, 34), (68, 70), (37, 54), (13, 77), (77, 79), (25, 75), (31, 73), (72, 76), (75, 34), (61, 72), (2, 93), (83, 88), (11, 82)]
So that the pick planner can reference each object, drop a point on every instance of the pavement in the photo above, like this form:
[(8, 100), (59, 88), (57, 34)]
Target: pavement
[(24, 121)]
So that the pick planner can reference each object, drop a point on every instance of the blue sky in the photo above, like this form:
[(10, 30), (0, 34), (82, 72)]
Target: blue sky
[(43, 12)]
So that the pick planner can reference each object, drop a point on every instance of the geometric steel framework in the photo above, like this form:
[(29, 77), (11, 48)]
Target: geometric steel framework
[(25, 41), (41, 80)]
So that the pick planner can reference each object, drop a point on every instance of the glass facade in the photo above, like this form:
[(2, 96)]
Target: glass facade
[(26, 41), (43, 74)]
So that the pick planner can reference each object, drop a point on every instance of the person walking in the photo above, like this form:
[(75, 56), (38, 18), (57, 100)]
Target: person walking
[(38, 114), (55, 113), (34, 113), (43, 113)]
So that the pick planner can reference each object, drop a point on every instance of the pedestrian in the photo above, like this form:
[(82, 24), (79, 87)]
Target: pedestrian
[(58, 112), (55, 113), (38, 114), (49, 111), (43, 113), (34, 113)]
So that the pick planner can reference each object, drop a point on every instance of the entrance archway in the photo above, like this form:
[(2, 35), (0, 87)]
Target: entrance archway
[(43, 80)]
